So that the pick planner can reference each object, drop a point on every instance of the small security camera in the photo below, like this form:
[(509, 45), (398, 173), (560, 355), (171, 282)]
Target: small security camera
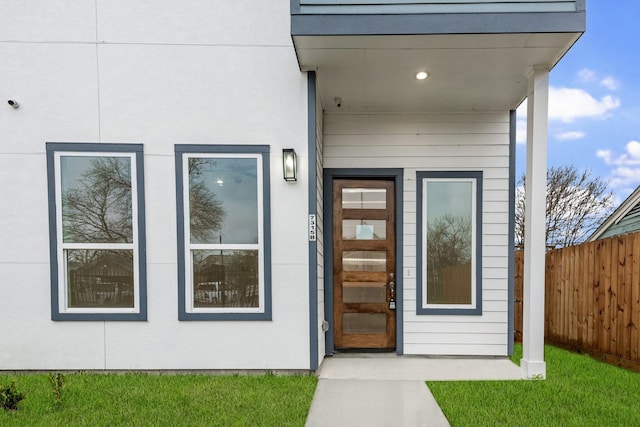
[(13, 103), (338, 101)]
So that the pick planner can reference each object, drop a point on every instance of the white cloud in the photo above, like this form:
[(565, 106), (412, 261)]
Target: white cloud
[(630, 158), (610, 83), (567, 104), (565, 136), (626, 171), (587, 75)]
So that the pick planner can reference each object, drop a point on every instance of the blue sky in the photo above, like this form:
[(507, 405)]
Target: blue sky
[(594, 100)]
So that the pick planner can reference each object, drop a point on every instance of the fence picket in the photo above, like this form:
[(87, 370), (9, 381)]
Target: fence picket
[(589, 300), (625, 340), (605, 265), (635, 301), (616, 247)]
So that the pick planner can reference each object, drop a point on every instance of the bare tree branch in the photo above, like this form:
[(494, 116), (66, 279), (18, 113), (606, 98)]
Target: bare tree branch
[(576, 205)]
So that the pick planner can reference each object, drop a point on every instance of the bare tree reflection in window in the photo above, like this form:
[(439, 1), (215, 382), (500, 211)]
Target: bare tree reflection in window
[(449, 260), (96, 207), (206, 211)]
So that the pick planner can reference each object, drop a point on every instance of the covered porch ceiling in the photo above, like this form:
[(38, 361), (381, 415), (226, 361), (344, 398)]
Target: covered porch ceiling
[(467, 72)]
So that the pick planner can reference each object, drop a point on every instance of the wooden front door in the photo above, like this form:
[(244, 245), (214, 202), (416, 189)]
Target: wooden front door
[(364, 264)]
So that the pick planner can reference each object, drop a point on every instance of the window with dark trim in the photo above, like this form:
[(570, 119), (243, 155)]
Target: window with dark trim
[(224, 265), (449, 242), (97, 231)]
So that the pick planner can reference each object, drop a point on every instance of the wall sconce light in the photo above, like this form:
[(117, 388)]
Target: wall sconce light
[(289, 164)]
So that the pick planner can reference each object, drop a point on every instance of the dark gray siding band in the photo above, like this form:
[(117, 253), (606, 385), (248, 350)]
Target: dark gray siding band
[(313, 204), (438, 23), (295, 6)]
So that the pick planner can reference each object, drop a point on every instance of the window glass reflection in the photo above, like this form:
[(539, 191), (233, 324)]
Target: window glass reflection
[(364, 229), (96, 199), (364, 261), (100, 278), (225, 278), (449, 240), (364, 323), (364, 292), (223, 200), (364, 198)]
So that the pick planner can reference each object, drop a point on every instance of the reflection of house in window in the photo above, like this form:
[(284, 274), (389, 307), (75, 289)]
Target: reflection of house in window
[(104, 280), (226, 279)]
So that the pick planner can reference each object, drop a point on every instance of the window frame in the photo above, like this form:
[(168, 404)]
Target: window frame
[(475, 308), (57, 247), (186, 311)]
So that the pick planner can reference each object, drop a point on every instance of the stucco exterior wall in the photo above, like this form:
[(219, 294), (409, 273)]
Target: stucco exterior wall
[(188, 72)]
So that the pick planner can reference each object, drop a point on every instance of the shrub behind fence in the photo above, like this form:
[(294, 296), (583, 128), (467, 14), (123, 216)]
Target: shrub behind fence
[(592, 298)]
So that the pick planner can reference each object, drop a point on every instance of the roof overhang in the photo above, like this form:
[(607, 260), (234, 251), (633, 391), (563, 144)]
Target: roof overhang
[(375, 73)]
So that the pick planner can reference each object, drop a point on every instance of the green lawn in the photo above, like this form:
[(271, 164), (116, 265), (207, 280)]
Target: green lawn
[(162, 400), (579, 391)]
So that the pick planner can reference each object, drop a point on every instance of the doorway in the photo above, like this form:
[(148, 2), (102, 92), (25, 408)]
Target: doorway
[(365, 290)]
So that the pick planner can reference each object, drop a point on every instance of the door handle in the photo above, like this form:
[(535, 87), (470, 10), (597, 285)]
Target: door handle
[(392, 295)]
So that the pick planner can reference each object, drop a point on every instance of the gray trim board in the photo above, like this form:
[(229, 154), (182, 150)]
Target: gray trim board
[(264, 151), (313, 207), (438, 23), (420, 310), (512, 227), (137, 149), (295, 7), (329, 174)]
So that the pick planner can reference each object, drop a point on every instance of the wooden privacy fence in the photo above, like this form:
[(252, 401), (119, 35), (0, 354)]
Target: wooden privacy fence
[(592, 298)]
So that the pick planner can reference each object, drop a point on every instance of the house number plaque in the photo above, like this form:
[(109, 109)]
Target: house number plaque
[(312, 227)]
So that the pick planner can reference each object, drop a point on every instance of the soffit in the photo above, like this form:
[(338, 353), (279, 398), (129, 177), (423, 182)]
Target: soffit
[(467, 72)]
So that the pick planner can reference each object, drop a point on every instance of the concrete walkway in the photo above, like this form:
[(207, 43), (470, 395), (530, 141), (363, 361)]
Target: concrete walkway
[(389, 390)]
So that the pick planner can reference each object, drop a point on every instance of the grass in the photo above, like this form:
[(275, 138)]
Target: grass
[(159, 400), (578, 391)]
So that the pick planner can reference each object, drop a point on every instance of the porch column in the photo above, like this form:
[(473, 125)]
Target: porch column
[(532, 363)]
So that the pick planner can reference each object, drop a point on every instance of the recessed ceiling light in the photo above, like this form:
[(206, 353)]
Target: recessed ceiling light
[(421, 75)]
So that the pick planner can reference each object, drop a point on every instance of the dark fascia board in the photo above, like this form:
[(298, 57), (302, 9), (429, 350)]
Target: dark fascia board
[(437, 23)]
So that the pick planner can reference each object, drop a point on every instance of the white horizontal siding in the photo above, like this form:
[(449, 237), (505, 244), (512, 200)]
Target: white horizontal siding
[(449, 337), (423, 142), (440, 349), (455, 328), (439, 6)]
